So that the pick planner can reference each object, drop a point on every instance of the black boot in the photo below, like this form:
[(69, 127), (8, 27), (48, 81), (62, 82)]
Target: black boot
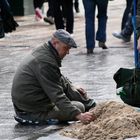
[(102, 45)]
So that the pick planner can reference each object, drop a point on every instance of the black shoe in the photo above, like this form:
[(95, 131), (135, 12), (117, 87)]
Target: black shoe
[(102, 45), (90, 51), (26, 122), (33, 122), (120, 36), (50, 20)]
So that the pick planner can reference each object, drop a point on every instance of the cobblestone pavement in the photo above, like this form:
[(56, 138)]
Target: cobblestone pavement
[(93, 72)]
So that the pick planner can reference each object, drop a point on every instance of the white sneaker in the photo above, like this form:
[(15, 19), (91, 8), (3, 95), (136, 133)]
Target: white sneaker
[(72, 35)]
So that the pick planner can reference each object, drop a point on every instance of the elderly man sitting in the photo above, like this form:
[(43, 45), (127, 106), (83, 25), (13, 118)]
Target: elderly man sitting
[(40, 92)]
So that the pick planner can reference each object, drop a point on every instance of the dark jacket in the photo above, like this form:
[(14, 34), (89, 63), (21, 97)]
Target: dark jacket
[(37, 83), (9, 23)]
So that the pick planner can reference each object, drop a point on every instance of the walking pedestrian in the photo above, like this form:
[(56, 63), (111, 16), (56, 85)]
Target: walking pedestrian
[(76, 6), (49, 16), (7, 21), (40, 92), (90, 7), (38, 12), (126, 25), (126, 13), (63, 10), (37, 6)]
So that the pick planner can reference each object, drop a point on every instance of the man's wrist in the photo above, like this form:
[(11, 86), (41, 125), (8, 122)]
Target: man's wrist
[(78, 116)]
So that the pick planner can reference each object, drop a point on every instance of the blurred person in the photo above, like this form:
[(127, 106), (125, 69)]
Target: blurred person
[(37, 6), (7, 21), (90, 7), (40, 92), (38, 12), (49, 16), (126, 25), (63, 14), (76, 6), (126, 13)]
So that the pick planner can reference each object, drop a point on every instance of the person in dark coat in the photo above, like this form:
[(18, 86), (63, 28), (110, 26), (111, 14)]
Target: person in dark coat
[(63, 15), (7, 22), (40, 92)]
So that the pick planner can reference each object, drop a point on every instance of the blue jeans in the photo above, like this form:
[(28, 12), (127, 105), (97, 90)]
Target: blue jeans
[(128, 29), (90, 7), (126, 13)]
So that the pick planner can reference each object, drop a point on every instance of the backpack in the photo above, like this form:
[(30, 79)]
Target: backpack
[(129, 82)]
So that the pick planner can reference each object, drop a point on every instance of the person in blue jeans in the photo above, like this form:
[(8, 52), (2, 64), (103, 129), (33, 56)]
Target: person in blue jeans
[(90, 7), (126, 24), (126, 13)]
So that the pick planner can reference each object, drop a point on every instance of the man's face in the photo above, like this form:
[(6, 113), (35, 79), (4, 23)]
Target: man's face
[(62, 49)]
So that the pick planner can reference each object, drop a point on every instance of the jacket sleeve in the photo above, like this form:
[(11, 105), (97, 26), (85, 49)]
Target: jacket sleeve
[(50, 79)]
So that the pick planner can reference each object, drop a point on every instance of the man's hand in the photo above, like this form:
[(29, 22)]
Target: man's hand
[(86, 117), (82, 92)]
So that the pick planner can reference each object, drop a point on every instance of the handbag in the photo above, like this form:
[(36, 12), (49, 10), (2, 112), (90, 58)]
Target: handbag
[(129, 82)]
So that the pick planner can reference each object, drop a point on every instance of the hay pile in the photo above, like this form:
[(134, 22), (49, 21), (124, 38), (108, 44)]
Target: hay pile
[(114, 121)]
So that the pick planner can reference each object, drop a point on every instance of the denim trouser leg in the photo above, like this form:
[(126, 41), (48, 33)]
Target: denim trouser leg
[(126, 13), (101, 33), (89, 6), (128, 29), (102, 20)]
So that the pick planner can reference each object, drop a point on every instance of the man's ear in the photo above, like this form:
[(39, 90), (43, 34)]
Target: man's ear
[(55, 41)]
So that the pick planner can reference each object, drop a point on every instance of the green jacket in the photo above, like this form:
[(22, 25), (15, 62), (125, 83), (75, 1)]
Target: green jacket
[(37, 83)]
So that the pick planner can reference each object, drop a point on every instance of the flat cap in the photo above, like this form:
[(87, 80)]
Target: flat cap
[(65, 37)]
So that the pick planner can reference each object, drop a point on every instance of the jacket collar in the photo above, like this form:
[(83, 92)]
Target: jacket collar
[(55, 53)]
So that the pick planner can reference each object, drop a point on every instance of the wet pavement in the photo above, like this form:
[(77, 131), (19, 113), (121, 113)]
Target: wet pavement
[(92, 72)]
